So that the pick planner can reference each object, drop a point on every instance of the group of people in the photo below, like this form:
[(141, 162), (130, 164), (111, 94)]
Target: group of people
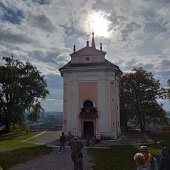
[(76, 146), (145, 161), (92, 141)]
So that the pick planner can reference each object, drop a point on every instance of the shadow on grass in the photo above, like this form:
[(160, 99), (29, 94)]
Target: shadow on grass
[(8, 159)]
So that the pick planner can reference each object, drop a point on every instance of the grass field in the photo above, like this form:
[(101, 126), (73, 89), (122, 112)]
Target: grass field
[(13, 151), (119, 157)]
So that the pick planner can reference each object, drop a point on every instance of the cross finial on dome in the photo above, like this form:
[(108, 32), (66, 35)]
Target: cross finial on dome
[(93, 42), (74, 48), (100, 46)]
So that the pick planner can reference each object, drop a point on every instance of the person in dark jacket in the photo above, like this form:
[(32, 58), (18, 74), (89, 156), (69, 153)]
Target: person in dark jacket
[(77, 157), (62, 142), (87, 140), (165, 157)]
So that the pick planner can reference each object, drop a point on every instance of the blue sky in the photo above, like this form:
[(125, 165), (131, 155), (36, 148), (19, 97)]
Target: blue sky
[(133, 33)]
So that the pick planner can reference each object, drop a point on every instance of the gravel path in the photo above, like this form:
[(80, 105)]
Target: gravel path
[(56, 161)]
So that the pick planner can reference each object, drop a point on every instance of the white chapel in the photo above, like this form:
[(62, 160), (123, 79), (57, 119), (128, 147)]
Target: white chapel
[(91, 93)]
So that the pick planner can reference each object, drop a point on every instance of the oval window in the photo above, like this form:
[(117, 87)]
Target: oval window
[(87, 58)]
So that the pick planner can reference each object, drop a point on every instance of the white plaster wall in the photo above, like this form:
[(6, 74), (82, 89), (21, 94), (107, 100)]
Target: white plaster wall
[(73, 104), (93, 58), (67, 80), (103, 79)]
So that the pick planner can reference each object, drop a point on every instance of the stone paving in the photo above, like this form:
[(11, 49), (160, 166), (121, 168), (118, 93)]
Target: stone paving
[(56, 161)]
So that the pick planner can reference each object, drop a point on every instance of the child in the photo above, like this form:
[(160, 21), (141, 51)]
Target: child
[(149, 159), (140, 162), (77, 157)]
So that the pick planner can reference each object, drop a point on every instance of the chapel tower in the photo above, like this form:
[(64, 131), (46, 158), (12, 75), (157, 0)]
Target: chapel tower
[(91, 93)]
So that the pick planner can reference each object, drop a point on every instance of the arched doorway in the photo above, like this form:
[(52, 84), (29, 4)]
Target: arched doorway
[(87, 114)]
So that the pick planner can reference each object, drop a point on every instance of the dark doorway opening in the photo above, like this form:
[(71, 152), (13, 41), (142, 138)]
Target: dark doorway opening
[(88, 129)]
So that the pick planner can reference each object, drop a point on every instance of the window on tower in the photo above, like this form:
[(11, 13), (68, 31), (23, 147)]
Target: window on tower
[(88, 104)]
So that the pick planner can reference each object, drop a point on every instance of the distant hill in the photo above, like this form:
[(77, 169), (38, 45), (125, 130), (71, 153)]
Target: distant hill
[(48, 121), (52, 113)]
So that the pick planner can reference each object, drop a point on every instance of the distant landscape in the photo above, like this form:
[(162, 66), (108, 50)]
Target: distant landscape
[(48, 121), (51, 120), (61, 113)]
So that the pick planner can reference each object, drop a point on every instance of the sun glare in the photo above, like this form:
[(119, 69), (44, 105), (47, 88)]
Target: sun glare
[(99, 24)]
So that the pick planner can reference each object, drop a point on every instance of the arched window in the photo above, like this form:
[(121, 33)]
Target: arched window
[(88, 104)]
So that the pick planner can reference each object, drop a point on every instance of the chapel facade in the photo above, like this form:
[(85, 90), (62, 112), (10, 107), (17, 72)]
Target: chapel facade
[(91, 93)]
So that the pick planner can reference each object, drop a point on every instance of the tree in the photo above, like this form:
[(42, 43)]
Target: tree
[(168, 90), (21, 87), (35, 112), (139, 92)]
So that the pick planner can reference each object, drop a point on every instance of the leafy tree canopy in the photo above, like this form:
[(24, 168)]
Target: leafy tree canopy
[(21, 87), (138, 94), (168, 90)]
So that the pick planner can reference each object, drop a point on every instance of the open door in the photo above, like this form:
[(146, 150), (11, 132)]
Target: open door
[(88, 128)]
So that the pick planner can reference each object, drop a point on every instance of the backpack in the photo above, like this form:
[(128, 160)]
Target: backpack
[(153, 163)]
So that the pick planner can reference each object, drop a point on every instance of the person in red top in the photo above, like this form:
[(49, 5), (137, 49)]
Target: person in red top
[(70, 140)]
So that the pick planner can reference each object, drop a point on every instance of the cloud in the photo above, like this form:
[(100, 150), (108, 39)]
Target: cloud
[(44, 32), (11, 38), (41, 22)]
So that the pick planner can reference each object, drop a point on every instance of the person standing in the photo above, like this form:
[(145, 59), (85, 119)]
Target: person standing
[(70, 140), (62, 142), (149, 159), (77, 157), (139, 159), (165, 156), (76, 141), (87, 140)]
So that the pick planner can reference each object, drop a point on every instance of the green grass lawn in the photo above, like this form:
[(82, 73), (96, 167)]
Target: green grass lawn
[(13, 151), (120, 157)]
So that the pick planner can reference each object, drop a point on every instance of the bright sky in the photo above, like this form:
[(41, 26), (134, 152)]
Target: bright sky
[(133, 33)]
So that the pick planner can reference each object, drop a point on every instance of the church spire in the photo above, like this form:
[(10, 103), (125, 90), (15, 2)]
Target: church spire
[(93, 42)]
